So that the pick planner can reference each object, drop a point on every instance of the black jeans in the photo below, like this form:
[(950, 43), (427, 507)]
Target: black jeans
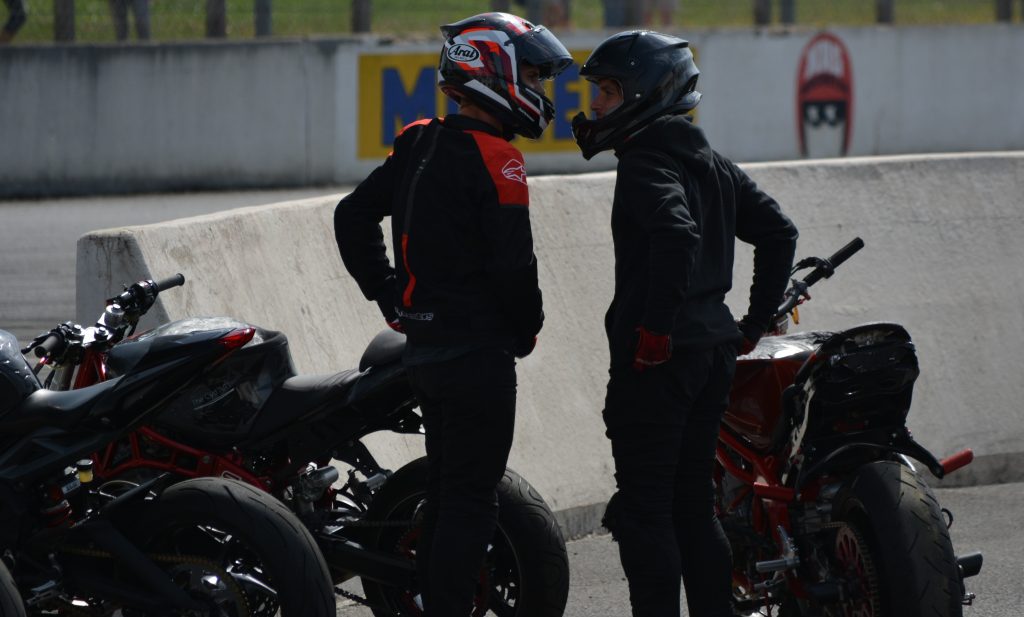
[(663, 425), (119, 13), (468, 407)]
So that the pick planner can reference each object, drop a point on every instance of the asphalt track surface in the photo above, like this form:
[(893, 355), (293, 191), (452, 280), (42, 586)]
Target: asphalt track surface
[(986, 518), (37, 290), (38, 240)]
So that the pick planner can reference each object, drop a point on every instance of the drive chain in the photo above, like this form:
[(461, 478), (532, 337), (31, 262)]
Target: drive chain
[(356, 522), (351, 596), (175, 559)]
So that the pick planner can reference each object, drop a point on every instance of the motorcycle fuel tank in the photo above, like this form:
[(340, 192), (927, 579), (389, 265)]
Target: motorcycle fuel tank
[(17, 380), (220, 407), (755, 402)]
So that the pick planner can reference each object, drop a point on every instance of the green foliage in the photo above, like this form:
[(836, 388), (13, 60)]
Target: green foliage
[(186, 19)]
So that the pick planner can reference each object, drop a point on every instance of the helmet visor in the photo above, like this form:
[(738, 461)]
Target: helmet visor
[(541, 49)]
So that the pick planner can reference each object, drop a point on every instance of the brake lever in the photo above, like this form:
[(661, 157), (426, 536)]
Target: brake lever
[(66, 335), (35, 342)]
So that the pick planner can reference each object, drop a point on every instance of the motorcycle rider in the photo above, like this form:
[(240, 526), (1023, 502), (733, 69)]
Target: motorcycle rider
[(465, 290), (677, 210)]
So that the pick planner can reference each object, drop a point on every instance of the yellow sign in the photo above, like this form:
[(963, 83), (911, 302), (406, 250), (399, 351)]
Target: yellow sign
[(396, 89)]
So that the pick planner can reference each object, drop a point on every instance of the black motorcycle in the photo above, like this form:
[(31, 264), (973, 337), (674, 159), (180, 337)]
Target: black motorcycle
[(252, 418), (72, 545), (11, 604)]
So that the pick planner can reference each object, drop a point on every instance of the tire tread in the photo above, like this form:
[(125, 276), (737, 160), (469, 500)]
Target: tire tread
[(907, 533), (287, 549)]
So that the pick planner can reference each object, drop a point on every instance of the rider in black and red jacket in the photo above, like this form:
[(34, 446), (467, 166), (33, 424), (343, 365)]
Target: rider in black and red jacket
[(464, 285), (466, 274)]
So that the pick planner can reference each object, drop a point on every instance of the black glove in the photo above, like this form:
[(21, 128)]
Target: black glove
[(751, 335), (386, 303), (524, 346), (521, 299)]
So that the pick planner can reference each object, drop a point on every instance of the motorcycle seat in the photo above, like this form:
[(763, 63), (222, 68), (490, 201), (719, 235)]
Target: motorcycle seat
[(385, 348), (56, 409), (300, 395)]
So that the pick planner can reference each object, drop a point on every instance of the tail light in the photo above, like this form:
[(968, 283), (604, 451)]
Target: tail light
[(234, 340)]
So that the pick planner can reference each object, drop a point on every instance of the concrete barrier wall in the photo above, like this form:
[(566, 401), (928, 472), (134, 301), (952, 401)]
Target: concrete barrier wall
[(943, 258), (105, 118), (131, 118)]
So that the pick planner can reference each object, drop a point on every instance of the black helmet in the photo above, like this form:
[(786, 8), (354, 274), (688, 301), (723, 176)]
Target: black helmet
[(657, 75), (481, 60)]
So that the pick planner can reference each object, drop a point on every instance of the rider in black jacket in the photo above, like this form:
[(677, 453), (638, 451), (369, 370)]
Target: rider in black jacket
[(465, 288), (678, 208)]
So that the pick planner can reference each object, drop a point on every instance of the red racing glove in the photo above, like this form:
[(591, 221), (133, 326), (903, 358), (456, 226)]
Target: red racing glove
[(651, 349)]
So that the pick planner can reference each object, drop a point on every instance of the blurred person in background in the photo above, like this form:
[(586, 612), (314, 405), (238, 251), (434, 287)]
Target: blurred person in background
[(617, 13), (119, 12), (465, 289), (665, 10), (15, 20), (677, 210), (550, 12), (556, 13)]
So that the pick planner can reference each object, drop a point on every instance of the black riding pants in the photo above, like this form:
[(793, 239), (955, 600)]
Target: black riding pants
[(468, 406), (663, 424)]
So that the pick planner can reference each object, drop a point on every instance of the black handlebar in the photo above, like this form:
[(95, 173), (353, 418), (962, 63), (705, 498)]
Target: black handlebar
[(827, 267), (138, 297), (132, 303), (842, 254), (171, 281), (823, 268), (53, 343), (48, 345)]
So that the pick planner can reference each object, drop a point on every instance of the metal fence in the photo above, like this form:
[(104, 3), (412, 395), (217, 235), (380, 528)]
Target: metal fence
[(168, 20)]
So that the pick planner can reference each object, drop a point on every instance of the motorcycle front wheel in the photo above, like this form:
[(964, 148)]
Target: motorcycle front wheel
[(237, 549), (892, 546), (10, 601), (526, 570)]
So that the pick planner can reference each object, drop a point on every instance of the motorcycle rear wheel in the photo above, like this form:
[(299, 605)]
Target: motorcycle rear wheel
[(887, 509), (527, 567), (223, 527), (10, 601)]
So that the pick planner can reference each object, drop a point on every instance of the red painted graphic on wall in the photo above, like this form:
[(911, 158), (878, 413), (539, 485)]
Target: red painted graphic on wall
[(824, 99)]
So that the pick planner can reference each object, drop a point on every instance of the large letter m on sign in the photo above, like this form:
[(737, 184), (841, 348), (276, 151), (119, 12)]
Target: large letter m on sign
[(401, 107)]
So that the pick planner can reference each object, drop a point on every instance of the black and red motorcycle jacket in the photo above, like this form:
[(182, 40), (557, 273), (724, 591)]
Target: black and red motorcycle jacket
[(465, 272)]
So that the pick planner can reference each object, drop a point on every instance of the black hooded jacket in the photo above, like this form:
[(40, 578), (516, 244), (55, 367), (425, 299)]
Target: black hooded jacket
[(677, 210)]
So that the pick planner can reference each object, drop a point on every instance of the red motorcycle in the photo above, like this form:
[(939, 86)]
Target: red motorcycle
[(253, 419), (824, 510)]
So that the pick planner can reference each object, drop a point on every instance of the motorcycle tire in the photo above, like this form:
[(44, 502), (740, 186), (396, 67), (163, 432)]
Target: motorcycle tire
[(219, 526), (10, 600), (887, 509), (527, 567)]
